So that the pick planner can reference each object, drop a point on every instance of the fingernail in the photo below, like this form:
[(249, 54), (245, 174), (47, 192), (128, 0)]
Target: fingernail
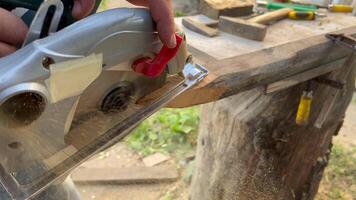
[(172, 42)]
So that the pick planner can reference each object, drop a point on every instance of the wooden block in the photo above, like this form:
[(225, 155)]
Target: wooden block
[(199, 27), (129, 175), (302, 77), (242, 28), (232, 8), (155, 159)]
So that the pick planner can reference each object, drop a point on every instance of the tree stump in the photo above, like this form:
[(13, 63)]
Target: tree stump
[(250, 147)]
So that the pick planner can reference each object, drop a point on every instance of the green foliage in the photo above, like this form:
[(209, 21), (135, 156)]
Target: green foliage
[(339, 180), (179, 14), (166, 131)]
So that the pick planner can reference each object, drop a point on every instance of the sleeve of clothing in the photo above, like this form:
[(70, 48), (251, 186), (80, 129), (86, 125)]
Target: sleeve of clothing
[(27, 15)]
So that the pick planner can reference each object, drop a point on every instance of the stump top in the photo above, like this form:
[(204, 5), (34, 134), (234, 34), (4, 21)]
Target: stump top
[(237, 64), (286, 31)]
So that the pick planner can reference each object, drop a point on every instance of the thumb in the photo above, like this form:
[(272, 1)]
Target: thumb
[(82, 8)]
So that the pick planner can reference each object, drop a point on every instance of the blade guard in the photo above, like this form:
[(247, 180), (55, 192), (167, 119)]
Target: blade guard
[(75, 126), (154, 67)]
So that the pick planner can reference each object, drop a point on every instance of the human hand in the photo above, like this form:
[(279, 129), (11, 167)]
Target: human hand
[(13, 32), (162, 14), (161, 11), (13, 29)]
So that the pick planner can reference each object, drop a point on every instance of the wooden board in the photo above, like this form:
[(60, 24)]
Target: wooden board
[(237, 64), (129, 175)]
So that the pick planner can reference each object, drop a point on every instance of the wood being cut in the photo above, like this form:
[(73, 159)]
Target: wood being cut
[(233, 75), (233, 8), (236, 64)]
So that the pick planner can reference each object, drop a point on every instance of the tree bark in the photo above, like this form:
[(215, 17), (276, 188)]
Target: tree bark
[(250, 147)]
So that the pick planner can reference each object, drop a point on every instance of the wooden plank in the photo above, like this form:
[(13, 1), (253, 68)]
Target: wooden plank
[(302, 77), (199, 27), (129, 175), (334, 93), (233, 75), (232, 8)]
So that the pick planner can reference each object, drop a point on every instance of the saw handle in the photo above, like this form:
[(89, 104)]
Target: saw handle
[(154, 67)]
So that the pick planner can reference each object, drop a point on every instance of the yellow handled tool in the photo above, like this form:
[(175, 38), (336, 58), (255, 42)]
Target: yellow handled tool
[(304, 108), (302, 15), (340, 8)]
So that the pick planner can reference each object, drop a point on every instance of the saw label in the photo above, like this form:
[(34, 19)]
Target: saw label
[(71, 78)]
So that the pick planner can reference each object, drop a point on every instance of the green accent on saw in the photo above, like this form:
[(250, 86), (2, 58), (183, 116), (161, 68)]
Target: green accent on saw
[(296, 7)]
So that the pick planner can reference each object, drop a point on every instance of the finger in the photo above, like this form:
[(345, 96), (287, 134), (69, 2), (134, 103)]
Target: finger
[(13, 29), (6, 49), (82, 8), (139, 2), (162, 13)]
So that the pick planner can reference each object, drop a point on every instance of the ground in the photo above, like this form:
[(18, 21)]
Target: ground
[(347, 134)]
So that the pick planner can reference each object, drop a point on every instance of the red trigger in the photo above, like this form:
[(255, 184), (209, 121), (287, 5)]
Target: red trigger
[(154, 67)]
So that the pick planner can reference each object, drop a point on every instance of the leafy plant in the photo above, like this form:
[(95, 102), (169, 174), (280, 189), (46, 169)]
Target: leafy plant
[(166, 131)]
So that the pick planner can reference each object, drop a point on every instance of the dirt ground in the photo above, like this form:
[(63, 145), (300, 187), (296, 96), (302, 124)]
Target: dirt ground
[(347, 133), (121, 156)]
